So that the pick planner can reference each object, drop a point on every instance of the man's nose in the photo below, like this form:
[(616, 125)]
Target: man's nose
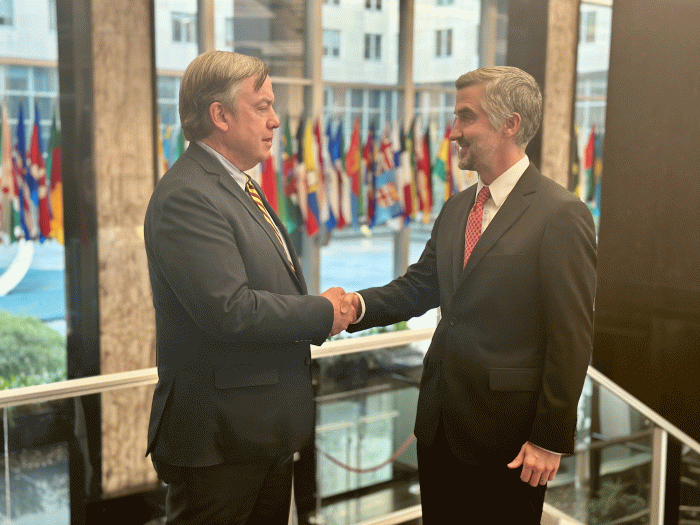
[(275, 123)]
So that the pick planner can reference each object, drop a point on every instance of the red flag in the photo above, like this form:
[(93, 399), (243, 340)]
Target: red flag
[(588, 161), (37, 168), (269, 183), (352, 168)]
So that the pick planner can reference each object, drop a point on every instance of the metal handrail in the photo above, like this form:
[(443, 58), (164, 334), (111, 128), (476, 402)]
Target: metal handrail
[(149, 376), (638, 405)]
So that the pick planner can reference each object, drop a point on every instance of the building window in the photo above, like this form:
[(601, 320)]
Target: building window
[(184, 27), (445, 2), (331, 43), (443, 43), (590, 26), (6, 12), (334, 2), (373, 47), (373, 4)]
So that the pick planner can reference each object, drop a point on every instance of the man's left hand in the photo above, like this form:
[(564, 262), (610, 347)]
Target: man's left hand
[(539, 465)]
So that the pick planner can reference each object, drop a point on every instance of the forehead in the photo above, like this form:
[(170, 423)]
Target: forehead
[(468, 98), (247, 90)]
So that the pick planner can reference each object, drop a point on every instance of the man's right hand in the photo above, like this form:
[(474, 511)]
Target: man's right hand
[(344, 313), (351, 301)]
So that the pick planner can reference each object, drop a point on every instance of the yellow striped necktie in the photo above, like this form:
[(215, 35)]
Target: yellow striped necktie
[(250, 188)]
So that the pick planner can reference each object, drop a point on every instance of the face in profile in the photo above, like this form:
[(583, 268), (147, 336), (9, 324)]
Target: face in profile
[(472, 131), (249, 137)]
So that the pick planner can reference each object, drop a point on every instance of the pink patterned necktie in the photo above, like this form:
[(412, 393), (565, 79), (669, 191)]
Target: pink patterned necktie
[(473, 231)]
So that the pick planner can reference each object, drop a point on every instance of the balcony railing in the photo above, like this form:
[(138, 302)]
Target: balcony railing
[(601, 453)]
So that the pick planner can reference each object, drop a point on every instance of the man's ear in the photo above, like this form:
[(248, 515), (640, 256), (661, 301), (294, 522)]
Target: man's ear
[(219, 116), (511, 125)]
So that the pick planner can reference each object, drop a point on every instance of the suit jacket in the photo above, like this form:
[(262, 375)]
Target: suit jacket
[(509, 356), (233, 323)]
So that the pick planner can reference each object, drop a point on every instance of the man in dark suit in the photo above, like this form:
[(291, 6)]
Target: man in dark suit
[(233, 319), (511, 264)]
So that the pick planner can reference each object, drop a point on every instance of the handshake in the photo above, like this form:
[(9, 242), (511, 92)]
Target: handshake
[(346, 308)]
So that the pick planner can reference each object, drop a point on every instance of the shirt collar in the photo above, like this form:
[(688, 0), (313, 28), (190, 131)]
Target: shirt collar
[(240, 177), (504, 184)]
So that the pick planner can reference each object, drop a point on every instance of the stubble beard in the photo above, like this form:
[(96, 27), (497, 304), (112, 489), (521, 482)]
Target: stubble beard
[(466, 161)]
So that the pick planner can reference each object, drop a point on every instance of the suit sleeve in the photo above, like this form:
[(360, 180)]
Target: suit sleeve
[(410, 295), (567, 277), (198, 254)]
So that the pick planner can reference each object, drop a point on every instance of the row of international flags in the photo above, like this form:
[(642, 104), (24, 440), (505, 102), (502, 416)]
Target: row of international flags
[(587, 172), (314, 182), (31, 186), (311, 180)]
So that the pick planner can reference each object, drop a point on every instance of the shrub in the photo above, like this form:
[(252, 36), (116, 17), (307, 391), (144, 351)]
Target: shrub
[(31, 353)]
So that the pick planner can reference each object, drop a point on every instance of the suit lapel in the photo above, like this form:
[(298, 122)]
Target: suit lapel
[(212, 165), (513, 207)]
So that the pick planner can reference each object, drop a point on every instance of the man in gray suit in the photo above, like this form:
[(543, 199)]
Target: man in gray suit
[(233, 319), (511, 264)]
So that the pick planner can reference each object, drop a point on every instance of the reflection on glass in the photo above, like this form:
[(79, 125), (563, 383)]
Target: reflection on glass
[(38, 466), (609, 478), (366, 406)]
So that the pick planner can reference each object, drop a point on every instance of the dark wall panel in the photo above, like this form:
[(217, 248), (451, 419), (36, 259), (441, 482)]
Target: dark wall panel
[(648, 296), (527, 50)]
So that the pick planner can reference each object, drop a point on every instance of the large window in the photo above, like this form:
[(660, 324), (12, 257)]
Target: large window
[(591, 95), (32, 293), (33, 324)]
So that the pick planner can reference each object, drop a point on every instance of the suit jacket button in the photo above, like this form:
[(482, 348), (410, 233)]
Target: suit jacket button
[(307, 361), (453, 321)]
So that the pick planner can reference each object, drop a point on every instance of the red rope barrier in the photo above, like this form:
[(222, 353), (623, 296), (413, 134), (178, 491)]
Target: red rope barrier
[(393, 458)]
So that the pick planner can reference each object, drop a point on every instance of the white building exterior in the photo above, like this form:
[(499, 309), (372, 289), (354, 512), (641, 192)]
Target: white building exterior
[(360, 41)]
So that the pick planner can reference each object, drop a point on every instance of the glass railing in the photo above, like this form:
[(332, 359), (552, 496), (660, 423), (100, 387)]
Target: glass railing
[(365, 457), (618, 474)]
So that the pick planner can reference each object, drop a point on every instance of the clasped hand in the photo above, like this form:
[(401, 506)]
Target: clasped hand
[(344, 308)]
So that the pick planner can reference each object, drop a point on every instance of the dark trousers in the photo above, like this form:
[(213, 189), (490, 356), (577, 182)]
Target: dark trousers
[(255, 494), (458, 493)]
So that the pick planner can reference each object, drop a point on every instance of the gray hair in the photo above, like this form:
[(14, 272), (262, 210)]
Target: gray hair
[(214, 76), (507, 90)]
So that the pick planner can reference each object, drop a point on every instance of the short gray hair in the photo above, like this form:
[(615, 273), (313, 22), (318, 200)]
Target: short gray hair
[(507, 90), (214, 76)]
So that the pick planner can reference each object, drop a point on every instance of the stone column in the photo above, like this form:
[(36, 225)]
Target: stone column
[(124, 163), (560, 82), (542, 40)]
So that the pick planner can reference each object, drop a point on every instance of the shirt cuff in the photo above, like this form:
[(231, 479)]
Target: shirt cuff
[(362, 308)]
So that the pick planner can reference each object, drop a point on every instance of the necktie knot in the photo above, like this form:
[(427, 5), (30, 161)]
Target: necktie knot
[(483, 196)]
